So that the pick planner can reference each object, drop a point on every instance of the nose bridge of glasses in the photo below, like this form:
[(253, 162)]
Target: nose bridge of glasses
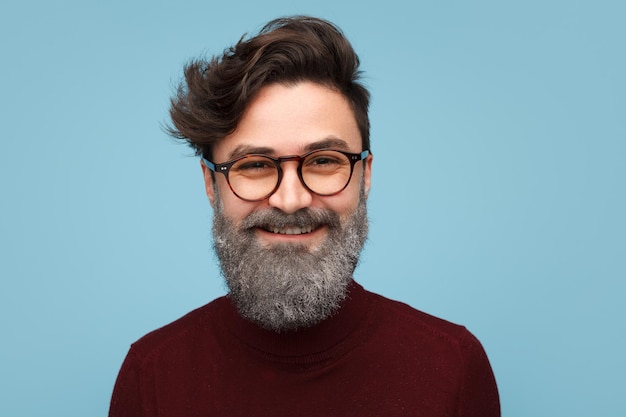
[(296, 163), (289, 158), (296, 159), (291, 193)]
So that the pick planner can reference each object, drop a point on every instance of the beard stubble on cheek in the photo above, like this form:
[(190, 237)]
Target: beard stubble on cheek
[(288, 286)]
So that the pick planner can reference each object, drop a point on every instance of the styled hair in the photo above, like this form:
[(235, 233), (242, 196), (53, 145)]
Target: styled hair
[(214, 94)]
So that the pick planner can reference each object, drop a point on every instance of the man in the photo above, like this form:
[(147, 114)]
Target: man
[(281, 124)]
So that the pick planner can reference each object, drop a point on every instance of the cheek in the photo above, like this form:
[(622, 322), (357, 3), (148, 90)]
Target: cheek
[(234, 208), (345, 202)]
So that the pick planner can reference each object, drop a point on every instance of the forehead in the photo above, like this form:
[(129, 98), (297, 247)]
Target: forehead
[(290, 120)]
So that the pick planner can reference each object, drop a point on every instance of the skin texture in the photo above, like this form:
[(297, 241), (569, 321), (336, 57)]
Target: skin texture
[(291, 120)]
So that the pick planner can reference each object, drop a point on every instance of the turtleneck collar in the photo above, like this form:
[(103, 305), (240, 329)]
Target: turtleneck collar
[(304, 346)]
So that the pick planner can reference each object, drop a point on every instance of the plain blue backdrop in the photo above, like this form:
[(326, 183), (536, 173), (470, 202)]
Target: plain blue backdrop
[(498, 195)]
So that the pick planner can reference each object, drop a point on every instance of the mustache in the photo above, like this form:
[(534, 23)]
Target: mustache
[(273, 217)]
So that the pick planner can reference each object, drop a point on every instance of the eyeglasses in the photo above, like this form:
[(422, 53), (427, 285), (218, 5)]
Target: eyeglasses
[(255, 177)]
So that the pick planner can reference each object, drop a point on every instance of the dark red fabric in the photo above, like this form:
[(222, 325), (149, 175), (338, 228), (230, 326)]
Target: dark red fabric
[(375, 357)]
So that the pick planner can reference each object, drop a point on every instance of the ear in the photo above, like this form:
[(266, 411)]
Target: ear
[(367, 174), (208, 182)]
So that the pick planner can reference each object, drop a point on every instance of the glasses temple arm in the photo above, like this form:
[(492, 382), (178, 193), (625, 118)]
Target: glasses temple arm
[(208, 164)]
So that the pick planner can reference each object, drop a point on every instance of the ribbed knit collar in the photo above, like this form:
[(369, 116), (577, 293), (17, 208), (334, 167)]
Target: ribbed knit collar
[(303, 347)]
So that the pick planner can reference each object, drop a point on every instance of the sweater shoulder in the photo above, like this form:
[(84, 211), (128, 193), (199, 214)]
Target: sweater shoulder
[(411, 321), (189, 326)]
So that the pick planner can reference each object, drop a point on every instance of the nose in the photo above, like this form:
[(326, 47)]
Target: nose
[(291, 195)]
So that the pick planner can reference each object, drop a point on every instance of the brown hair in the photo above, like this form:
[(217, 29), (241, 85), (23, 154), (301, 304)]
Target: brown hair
[(214, 94)]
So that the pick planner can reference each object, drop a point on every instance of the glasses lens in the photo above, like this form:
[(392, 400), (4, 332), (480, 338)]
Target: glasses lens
[(326, 172), (253, 177)]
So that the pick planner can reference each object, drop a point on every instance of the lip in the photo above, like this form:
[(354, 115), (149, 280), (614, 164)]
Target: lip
[(291, 234)]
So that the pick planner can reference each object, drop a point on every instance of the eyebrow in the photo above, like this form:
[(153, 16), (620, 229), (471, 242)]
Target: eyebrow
[(243, 150), (329, 142)]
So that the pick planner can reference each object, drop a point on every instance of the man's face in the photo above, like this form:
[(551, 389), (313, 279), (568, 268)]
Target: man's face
[(266, 266)]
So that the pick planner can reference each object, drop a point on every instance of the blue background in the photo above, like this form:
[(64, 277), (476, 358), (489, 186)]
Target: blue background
[(498, 193)]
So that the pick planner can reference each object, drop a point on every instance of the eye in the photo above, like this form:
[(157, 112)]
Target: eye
[(325, 161), (253, 167)]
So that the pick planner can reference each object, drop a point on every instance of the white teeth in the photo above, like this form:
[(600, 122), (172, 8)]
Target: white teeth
[(292, 230)]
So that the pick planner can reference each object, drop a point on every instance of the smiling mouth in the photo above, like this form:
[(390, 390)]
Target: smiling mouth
[(290, 230)]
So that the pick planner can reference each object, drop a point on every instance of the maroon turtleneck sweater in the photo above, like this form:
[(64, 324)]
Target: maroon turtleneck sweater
[(375, 357)]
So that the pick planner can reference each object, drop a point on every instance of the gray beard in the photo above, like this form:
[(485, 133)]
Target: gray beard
[(286, 286)]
